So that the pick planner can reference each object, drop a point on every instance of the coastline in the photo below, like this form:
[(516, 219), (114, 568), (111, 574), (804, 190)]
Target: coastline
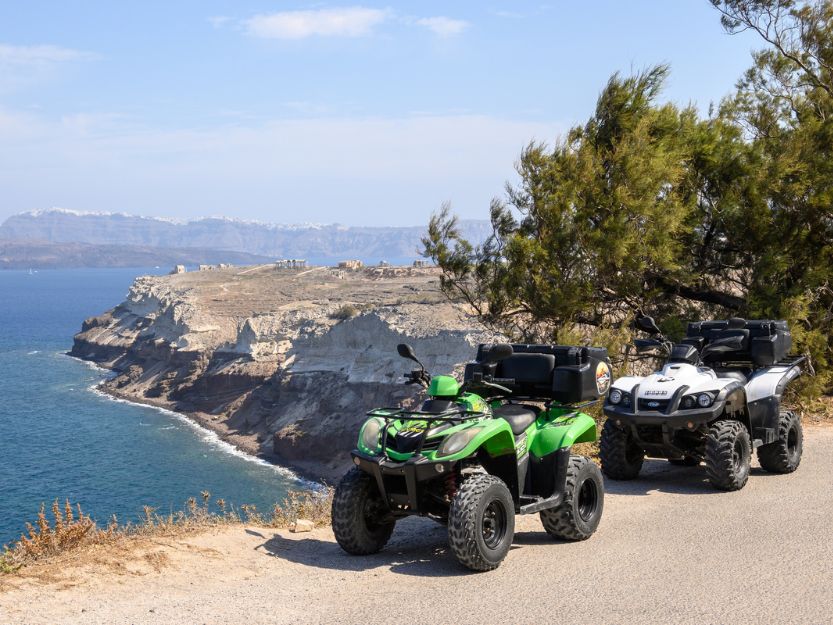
[(214, 433)]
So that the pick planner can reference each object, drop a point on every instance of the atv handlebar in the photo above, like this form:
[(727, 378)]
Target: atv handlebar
[(418, 376)]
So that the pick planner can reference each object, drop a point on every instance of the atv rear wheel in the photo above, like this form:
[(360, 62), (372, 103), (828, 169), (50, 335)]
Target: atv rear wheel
[(784, 455), (361, 522), (481, 522), (728, 454), (621, 457), (578, 516)]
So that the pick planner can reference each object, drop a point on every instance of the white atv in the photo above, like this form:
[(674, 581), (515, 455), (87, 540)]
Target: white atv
[(717, 397)]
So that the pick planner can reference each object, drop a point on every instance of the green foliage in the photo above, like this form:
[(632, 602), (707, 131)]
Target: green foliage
[(649, 208)]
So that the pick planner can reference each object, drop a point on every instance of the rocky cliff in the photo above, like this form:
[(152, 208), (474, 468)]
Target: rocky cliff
[(282, 363)]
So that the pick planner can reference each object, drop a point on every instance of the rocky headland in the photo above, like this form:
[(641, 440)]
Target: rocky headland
[(282, 363)]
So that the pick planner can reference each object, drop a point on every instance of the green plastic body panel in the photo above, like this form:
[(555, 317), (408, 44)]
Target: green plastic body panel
[(443, 386), (554, 429), (561, 428)]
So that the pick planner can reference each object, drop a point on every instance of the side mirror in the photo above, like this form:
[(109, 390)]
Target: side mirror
[(500, 351), (647, 324), (406, 351)]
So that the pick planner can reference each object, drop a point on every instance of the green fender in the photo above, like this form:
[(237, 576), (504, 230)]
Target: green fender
[(564, 431)]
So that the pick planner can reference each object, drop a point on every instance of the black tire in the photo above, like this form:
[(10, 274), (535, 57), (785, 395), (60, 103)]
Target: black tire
[(481, 522), (361, 521), (688, 461), (578, 516), (784, 455), (728, 454), (621, 458)]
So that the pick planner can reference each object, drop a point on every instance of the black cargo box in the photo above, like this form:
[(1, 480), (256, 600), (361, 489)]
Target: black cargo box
[(765, 342), (562, 373)]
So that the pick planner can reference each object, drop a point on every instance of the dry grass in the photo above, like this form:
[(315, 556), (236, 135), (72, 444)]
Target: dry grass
[(70, 530)]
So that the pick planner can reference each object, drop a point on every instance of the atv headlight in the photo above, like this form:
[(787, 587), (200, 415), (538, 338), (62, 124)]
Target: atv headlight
[(615, 396), (704, 400), (369, 436), (457, 441)]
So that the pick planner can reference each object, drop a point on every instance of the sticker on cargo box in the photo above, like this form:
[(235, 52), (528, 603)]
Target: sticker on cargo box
[(602, 378)]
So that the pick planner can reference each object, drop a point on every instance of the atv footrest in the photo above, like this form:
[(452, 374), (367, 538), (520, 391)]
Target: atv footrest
[(531, 505)]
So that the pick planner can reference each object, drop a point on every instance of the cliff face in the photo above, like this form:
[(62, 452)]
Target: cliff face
[(282, 363)]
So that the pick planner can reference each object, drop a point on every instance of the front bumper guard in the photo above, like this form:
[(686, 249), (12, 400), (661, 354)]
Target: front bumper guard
[(414, 470)]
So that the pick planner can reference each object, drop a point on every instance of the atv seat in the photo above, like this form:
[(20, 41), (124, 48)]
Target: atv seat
[(740, 376), (518, 416)]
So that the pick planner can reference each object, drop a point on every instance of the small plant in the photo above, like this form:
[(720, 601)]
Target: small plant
[(346, 311)]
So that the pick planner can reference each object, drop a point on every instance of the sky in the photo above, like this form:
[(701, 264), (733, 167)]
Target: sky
[(356, 113)]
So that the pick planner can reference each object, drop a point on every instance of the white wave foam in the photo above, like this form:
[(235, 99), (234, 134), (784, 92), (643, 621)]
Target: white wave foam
[(209, 437), (33, 352)]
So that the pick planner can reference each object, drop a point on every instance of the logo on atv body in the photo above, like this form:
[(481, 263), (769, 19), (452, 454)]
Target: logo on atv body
[(653, 404), (602, 378), (655, 393)]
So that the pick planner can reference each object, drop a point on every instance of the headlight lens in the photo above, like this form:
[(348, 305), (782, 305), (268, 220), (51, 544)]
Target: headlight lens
[(615, 396), (705, 400), (370, 434), (457, 441)]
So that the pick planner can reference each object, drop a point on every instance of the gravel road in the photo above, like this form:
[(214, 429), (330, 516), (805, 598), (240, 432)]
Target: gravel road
[(669, 550)]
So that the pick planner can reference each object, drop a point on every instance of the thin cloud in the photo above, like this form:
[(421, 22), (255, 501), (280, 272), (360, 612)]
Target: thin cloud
[(443, 26), (39, 55), (345, 22), (218, 21)]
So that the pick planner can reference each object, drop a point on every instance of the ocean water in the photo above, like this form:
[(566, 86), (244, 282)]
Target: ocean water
[(59, 438)]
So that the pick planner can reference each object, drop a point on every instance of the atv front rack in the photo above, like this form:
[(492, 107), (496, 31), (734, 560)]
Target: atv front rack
[(430, 418)]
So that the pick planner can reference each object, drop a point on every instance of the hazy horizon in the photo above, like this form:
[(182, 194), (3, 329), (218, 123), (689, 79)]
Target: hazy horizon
[(358, 114)]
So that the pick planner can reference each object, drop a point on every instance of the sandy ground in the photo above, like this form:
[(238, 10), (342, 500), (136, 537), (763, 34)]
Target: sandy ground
[(669, 550)]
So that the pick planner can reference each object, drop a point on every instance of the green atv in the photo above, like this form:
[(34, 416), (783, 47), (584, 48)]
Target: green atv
[(473, 455)]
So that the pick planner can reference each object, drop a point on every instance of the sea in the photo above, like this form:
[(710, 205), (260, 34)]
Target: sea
[(62, 439)]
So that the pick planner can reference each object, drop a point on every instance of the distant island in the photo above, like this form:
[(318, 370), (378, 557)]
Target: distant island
[(157, 240), (47, 255)]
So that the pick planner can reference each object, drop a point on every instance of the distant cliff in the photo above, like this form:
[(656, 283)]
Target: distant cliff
[(46, 255), (281, 363), (317, 243)]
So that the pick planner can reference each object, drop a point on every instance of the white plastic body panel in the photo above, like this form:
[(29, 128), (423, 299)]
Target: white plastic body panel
[(663, 384), (765, 382)]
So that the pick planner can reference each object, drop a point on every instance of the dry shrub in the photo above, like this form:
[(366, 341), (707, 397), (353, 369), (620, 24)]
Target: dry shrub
[(311, 505), (71, 529)]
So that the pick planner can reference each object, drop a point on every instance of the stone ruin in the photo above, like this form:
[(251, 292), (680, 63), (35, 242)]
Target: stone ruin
[(290, 263)]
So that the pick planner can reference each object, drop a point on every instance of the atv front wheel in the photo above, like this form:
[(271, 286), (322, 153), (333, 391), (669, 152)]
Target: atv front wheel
[(578, 515), (621, 457), (361, 522), (728, 454), (784, 455), (481, 522)]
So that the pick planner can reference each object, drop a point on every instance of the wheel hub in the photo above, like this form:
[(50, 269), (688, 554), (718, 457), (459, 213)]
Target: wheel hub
[(588, 499), (494, 524)]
